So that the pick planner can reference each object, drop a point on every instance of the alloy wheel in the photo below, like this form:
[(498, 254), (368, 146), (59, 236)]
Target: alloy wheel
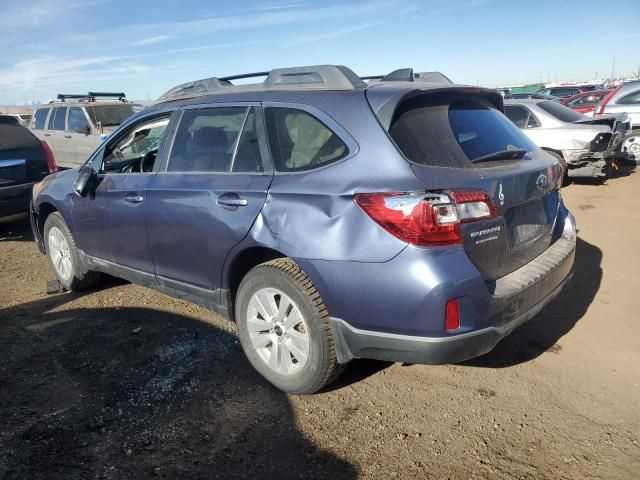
[(60, 253), (278, 331)]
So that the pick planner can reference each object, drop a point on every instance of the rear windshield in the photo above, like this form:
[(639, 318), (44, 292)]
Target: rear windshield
[(562, 113), (15, 136), (109, 115), (450, 131)]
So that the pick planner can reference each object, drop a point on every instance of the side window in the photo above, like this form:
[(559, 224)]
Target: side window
[(299, 141), (220, 139), (59, 115), (532, 122), (40, 117), (77, 121), (135, 149), (518, 115), (631, 99)]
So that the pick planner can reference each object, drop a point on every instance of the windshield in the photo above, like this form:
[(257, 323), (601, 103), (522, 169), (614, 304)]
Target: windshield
[(109, 115), (562, 113), (427, 129)]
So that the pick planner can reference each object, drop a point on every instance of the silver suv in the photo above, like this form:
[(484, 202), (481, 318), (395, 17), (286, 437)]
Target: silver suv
[(625, 98), (74, 125)]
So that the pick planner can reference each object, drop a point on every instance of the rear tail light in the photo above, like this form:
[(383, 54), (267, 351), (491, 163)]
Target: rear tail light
[(599, 110), (427, 219), (452, 315), (48, 155)]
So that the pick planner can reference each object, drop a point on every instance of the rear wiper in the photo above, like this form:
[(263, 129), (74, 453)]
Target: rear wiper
[(516, 154)]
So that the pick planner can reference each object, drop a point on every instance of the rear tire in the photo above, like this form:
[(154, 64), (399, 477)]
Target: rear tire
[(64, 256), (284, 328)]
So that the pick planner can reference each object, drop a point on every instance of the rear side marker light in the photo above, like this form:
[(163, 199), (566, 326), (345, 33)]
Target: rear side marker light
[(48, 155), (452, 315), (427, 218)]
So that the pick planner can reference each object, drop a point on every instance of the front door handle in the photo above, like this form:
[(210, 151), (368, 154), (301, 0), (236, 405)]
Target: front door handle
[(67, 136), (47, 134), (232, 200), (134, 198)]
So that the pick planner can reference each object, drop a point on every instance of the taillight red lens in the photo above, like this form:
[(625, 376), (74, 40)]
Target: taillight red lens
[(452, 315), (599, 110), (48, 155), (427, 219)]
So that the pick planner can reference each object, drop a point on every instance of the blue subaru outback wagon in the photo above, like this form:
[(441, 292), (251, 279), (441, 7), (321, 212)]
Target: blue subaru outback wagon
[(404, 219)]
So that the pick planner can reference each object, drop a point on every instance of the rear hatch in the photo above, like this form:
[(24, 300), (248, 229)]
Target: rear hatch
[(22, 159), (460, 140)]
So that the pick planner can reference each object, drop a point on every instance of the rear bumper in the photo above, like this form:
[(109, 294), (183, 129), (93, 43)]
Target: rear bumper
[(354, 343), (516, 298), (15, 199)]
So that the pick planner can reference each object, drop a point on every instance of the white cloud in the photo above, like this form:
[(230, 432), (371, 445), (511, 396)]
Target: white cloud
[(318, 37), (151, 40)]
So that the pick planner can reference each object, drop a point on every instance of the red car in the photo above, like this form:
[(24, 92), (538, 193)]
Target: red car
[(585, 102)]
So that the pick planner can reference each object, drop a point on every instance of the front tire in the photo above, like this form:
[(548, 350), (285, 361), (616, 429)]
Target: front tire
[(64, 256), (284, 328)]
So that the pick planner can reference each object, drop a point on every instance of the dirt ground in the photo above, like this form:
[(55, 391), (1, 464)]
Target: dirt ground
[(126, 383)]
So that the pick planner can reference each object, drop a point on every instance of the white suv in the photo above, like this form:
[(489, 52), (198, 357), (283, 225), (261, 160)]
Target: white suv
[(74, 125)]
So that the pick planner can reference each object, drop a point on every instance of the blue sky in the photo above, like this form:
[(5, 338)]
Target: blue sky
[(144, 47)]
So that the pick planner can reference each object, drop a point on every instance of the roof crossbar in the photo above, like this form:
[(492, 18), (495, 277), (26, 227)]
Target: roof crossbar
[(91, 96), (317, 77)]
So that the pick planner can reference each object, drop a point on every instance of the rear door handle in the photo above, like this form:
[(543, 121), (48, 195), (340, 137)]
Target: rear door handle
[(67, 136), (47, 134), (232, 200), (134, 198)]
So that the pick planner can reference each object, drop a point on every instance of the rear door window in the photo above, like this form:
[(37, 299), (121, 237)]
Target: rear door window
[(58, 117), (299, 141), (453, 131), (221, 139), (631, 99), (518, 115), (40, 118)]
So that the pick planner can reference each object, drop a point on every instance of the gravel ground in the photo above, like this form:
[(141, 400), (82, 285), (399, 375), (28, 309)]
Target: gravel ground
[(126, 383)]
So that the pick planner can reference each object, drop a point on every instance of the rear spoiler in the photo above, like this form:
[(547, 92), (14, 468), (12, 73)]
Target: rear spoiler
[(385, 102), (408, 75)]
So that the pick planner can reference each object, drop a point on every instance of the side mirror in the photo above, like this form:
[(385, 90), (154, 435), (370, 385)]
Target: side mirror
[(86, 181)]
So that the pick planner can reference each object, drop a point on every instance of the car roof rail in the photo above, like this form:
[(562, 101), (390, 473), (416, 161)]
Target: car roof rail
[(408, 75), (91, 96), (316, 77)]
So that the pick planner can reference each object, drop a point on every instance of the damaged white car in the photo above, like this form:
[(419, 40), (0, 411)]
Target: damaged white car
[(586, 146)]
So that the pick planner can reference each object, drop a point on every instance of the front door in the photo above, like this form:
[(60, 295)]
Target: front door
[(209, 194), (79, 139), (110, 223)]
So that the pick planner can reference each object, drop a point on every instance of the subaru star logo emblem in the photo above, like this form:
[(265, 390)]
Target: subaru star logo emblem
[(542, 182)]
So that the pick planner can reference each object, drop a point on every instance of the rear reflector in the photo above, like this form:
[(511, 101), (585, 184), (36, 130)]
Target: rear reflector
[(452, 315), (48, 155), (427, 218)]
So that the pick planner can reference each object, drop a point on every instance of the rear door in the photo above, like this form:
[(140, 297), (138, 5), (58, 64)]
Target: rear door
[(54, 135), (208, 196), (451, 139)]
